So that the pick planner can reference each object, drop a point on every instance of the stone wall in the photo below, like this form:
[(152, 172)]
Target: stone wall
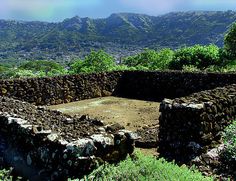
[(188, 125), (47, 145), (132, 84), (169, 84), (61, 89), (191, 125)]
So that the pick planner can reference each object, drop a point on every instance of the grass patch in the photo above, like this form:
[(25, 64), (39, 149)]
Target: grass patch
[(144, 168)]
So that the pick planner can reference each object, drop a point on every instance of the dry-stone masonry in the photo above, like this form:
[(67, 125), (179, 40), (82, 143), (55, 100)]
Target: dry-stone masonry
[(48, 145), (61, 89), (191, 125), (132, 84), (45, 143), (169, 84)]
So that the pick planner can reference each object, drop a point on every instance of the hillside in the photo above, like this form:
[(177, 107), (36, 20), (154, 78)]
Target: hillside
[(119, 34)]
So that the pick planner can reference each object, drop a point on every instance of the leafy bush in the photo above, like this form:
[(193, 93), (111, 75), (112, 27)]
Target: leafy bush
[(199, 56), (190, 68), (150, 59), (95, 62), (145, 168), (141, 59), (6, 175), (41, 66), (229, 137)]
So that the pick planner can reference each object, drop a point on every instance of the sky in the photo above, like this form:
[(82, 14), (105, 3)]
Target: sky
[(57, 10)]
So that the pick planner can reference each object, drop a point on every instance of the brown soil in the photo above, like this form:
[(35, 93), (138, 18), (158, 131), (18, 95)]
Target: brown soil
[(130, 113)]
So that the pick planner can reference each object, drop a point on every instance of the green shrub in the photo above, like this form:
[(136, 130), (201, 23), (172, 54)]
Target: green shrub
[(144, 59), (150, 59), (190, 68), (41, 66), (144, 168), (6, 175), (229, 137), (198, 56), (95, 62)]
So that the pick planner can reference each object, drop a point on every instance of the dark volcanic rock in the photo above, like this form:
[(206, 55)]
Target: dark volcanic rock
[(148, 137)]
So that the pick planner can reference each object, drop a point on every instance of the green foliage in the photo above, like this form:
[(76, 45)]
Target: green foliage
[(150, 59), (3, 69), (165, 56), (199, 56), (229, 137), (230, 41), (142, 59), (54, 40), (41, 65), (95, 62), (33, 69), (145, 168), (6, 175), (190, 68)]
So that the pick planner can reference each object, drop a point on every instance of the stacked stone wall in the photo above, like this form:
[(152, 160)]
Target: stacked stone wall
[(169, 84), (191, 125), (61, 89), (132, 84), (47, 145)]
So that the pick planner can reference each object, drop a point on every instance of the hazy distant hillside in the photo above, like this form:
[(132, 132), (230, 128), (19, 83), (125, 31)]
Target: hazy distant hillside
[(119, 34)]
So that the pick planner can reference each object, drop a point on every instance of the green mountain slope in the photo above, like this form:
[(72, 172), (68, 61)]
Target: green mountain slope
[(119, 34)]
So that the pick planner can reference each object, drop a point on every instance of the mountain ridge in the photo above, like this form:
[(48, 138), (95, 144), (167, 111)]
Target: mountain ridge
[(120, 33)]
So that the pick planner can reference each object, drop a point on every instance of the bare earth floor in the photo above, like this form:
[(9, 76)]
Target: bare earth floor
[(130, 113)]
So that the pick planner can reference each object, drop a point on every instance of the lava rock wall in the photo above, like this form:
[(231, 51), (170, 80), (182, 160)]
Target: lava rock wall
[(191, 125), (61, 89), (132, 84), (169, 84), (47, 145)]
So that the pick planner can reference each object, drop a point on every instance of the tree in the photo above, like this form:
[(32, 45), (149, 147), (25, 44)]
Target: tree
[(163, 59), (150, 59), (230, 41), (142, 59), (199, 56), (41, 68), (96, 61), (41, 65)]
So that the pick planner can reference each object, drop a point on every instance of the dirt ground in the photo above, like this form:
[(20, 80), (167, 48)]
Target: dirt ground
[(130, 113)]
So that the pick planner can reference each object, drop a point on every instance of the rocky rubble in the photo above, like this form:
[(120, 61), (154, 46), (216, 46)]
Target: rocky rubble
[(48, 144), (148, 137), (212, 163)]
